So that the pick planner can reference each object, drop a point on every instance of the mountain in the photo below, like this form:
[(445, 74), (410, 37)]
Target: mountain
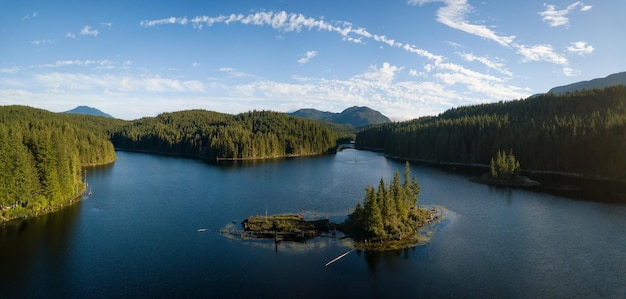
[(88, 111), (353, 116), (614, 79)]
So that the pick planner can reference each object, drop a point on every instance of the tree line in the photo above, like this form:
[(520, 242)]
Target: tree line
[(582, 132), (212, 135), (41, 158)]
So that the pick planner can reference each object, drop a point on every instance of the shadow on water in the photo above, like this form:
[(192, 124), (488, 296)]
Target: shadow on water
[(573, 187), (24, 241)]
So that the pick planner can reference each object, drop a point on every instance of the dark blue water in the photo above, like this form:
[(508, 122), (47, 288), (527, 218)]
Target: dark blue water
[(137, 237)]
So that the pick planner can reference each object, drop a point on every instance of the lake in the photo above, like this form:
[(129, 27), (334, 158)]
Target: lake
[(137, 236)]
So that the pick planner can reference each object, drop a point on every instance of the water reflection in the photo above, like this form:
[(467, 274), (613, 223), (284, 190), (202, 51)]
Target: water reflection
[(26, 243)]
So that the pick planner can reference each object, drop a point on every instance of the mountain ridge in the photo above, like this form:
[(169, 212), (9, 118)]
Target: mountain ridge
[(354, 116), (612, 79), (88, 111)]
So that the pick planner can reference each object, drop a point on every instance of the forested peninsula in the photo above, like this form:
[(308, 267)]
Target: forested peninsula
[(581, 133), (217, 136), (41, 158)]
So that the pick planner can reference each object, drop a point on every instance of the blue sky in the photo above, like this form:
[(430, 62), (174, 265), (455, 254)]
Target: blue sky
[(404, 58)]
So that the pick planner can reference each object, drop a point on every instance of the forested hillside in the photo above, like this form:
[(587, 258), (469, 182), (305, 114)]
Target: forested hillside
[(212, 135), (354, 116), (41, 158), (582, 132)]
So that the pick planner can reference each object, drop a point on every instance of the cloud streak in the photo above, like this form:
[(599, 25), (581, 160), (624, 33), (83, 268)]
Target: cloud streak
[(556, 18), (308, 56), (454, 15)]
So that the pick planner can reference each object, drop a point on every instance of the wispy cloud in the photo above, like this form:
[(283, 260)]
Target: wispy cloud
[(448, 73), (123, 83), (30, 15), (87, 30), (307, 57), (580, 48), (290, 22), (454, 14), (42, 42), (495, 65), (556, 18), (98, 63), (171, 20), (547, 53), (107, 25)]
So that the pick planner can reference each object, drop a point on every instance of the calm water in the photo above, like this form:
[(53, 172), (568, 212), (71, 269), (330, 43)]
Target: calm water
[(137, 237)]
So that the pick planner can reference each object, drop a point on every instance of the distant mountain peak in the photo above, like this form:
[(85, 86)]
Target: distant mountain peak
[(610, 80), (354, 116), (88, 111)]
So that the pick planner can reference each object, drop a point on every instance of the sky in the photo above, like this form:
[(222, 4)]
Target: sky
[(406, 59)]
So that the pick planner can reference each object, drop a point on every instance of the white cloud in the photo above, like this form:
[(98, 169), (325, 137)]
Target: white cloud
[(87, 30), (70, 35), (195, 64), (292, 22), (107, 25), (42, 42), (382, 76), (117, 83), (454, 14), (98, 63), (556, 17), (580, 48), (569, 72), (307, 57), (541, 53), (170, 20), (498, 66)]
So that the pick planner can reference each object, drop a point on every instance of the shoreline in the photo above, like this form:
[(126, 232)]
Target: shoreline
[(66, 203), (478, 166), (218, 159)]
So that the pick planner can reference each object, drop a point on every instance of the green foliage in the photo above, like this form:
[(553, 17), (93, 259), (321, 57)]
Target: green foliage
[(389, 212), (41, 155), (582, 132), (211, 135), (504, 166)]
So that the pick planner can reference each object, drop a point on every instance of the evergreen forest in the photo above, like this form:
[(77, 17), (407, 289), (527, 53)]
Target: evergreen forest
[(580, 133), (42, 155), (389, 212), (211, 135)]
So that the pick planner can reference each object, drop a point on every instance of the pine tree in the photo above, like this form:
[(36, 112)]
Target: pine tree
[(373, 217)]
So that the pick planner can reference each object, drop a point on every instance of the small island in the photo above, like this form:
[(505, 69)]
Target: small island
[(388, 219), (504, 171), (288, 227)]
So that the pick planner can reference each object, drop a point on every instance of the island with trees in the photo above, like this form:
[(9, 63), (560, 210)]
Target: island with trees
[(388, 219), (504, 170)]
